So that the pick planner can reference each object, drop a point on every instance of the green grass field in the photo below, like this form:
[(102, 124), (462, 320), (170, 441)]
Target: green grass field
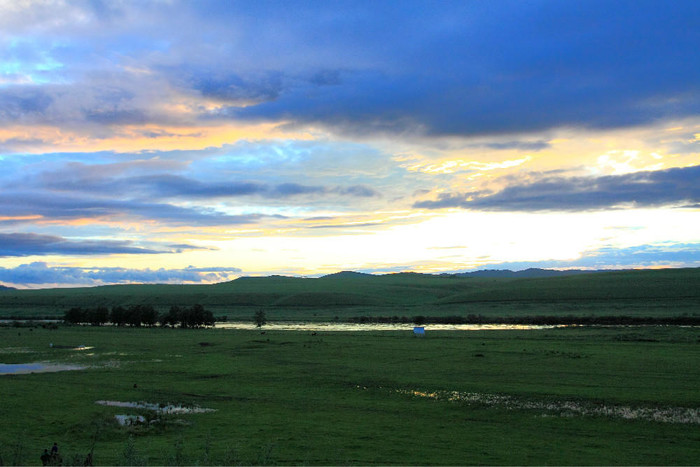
[(583, 396)]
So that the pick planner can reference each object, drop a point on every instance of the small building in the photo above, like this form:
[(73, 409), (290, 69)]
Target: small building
[(419, 331)]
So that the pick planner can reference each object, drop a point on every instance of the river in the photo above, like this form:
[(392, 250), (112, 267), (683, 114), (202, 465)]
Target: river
[(324, 327)]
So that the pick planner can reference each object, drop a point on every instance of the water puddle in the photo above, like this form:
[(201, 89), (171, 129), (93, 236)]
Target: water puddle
[(71, 347), (304, 326), (169, 409), (565, 408), (39, 367), (159, 409), (130, 420)]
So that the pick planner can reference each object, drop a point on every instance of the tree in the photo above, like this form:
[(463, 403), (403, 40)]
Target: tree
[(172, 317), (149, 316), (133, 315), (419, 320), (97, 316), (74, 316), (193, 317), (118, 315), (259, 319)]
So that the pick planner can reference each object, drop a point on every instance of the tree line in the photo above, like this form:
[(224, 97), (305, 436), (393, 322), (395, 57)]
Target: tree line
[(141, 315)]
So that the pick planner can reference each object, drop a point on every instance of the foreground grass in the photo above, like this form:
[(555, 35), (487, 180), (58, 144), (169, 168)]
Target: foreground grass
[(356, 398)]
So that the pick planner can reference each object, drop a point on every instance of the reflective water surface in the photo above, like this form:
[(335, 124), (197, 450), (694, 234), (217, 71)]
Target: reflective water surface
[(305, 326), (27, 368), (566, 408)]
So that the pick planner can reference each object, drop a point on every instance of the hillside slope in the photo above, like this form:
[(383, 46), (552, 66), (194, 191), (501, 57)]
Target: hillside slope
[(674, 290)]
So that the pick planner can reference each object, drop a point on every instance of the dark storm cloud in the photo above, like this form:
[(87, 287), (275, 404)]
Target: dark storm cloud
[(509, 67), (457, 68), (679, 186), (30, 244)]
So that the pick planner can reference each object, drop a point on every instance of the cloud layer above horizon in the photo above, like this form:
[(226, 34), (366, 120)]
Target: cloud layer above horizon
[(312, 137)]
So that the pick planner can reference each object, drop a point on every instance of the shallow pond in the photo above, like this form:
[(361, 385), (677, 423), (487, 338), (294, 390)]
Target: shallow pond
[(38, 367)]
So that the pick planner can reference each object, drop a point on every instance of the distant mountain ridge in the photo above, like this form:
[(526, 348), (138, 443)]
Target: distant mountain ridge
[(531, 272), (504, 273), (346, 275), (499, 273)]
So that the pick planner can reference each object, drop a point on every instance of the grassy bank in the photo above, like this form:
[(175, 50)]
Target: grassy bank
[(558, 396)]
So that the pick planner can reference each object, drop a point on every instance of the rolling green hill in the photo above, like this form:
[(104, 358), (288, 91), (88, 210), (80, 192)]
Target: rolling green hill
[(667, 292)]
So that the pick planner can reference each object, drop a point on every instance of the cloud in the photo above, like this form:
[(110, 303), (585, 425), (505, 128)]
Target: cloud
[(55, 207), (520, 145), (639, 256), (583, 65), (351, 108), (164, 186), (459, 165), (196, 188), (295, 159), (41, 274), (31, 244), (28, 102), (678, 186), (233, 89), (13, 145), (465, 68), (105, 180), (361, 191), (117, 116), (357, 225)]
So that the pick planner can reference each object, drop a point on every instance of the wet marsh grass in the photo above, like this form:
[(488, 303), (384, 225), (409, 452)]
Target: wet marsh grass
[(336, 398)]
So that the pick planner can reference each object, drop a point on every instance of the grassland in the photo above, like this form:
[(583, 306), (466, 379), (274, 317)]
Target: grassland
[(583, 396), (658, 293)]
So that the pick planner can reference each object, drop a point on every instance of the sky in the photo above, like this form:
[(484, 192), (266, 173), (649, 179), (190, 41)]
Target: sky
[(200, 141)]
